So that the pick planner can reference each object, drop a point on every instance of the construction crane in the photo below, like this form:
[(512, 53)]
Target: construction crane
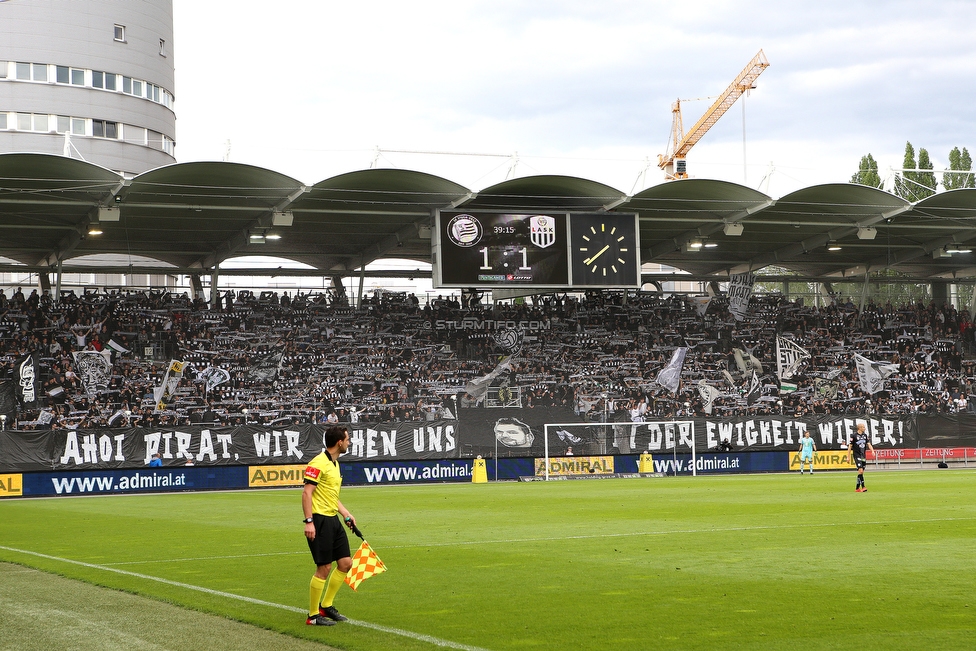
[(673, 161)]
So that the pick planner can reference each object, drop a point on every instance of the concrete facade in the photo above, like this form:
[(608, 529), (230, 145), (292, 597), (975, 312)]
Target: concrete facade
[(101, 70)]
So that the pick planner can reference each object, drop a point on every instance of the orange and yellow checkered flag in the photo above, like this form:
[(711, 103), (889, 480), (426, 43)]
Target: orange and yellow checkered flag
[(365, 563)]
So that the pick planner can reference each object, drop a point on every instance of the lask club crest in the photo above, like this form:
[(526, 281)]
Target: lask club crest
[(542, 231)]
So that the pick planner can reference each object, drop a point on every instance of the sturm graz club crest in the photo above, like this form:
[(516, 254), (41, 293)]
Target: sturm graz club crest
[(509, 340), (542, 231), (465, 230)]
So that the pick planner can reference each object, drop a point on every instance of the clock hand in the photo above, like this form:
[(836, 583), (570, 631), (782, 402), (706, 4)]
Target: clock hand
[(596, 255)]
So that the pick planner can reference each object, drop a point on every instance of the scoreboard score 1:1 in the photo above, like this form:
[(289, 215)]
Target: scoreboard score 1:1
[(539, 250), (502, 250)]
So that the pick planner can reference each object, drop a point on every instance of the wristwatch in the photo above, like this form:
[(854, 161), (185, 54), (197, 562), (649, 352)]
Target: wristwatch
[(307, 520)]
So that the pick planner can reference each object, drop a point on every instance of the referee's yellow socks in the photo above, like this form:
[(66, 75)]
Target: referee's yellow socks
[(315, 589), (336, 579)]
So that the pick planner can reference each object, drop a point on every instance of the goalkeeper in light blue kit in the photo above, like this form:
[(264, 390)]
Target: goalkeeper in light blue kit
[(807, 448)]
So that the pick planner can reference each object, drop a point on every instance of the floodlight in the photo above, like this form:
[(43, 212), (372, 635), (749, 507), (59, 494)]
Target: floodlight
[(286, 218)]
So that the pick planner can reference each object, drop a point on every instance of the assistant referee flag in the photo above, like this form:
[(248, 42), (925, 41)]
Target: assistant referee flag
[(365, 563)]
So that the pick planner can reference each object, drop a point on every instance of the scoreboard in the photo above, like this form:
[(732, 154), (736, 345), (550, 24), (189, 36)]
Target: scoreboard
[(535, 250)]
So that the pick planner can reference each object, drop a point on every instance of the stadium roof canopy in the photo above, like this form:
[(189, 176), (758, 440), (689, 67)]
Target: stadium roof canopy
[(193, 216)]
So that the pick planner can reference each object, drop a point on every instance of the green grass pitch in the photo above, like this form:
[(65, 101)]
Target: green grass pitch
[(736, 562)]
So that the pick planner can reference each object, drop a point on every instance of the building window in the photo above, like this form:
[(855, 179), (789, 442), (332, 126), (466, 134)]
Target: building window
[(3, 120), (23, 71), (105, 129), (39, 71), (120, 33), (3, 69), (162, 47), (41, 123), (75, 126), (66, 75), (23, 121)]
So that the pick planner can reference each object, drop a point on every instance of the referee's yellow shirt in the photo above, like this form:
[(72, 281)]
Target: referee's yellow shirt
[(324, 473)]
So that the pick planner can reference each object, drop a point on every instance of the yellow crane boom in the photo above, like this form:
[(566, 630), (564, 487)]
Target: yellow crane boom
[(680, 143)]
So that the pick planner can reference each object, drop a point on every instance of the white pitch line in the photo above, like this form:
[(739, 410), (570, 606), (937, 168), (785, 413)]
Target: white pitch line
[(376, 627)]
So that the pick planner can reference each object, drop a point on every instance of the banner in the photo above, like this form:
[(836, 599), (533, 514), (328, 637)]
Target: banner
[(826, 460), (215, 376), (144, 480), (8, 400), (575, 466), (701, 304), (11, 485), (478, 387), (708, 395), (164, 393), (669, 377), (28, 383), (740, 291), (117, 347), (755, 388), (826, 389), (408, 472), (872, 374), (789, 358), (514, 433), (94, 369), (746, 362), (264, 368), (132, 447), (277, 476)]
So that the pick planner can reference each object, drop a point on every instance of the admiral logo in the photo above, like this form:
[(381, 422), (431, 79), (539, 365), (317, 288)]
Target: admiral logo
[(465, 230), (260, 476), (11, 485)]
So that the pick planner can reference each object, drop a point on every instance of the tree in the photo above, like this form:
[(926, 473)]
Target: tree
[(867, 173), (959, 162), (926, 180), (913, 185), (904, 181)]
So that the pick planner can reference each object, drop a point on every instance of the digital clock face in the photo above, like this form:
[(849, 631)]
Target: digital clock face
[(502, 249), (605, 250)]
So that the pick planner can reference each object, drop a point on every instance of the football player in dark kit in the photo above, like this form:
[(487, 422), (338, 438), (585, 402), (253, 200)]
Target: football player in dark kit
[(857, 454)]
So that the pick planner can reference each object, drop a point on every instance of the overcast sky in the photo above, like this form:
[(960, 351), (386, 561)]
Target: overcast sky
[(313, 88)]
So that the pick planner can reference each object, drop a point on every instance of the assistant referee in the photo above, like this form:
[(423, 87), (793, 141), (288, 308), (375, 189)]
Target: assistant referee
[(326, 538)]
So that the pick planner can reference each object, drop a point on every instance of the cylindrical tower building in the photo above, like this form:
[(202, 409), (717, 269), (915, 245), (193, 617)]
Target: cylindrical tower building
[(92, 79)]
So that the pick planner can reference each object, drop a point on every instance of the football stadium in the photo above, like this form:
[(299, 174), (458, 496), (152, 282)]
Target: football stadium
[(696, 416)]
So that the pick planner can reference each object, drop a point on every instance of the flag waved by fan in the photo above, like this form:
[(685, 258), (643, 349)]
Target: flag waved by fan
[(365, 563)]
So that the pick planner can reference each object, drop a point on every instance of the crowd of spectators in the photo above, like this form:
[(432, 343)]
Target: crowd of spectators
[(313, 358)]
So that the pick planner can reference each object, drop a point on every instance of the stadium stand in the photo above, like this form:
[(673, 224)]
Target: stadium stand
[(309, 357)]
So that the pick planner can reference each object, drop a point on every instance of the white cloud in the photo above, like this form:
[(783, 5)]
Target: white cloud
[(310, 89)]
